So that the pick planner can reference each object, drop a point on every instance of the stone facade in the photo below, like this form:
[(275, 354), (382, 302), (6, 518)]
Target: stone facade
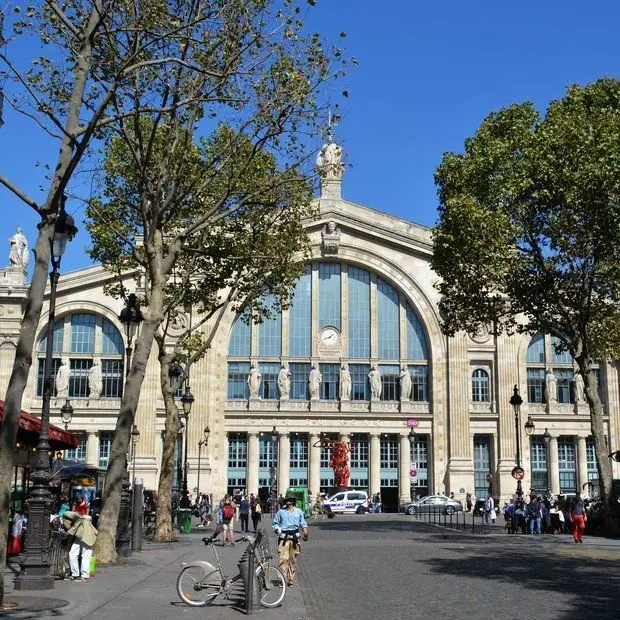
[(463, 439)]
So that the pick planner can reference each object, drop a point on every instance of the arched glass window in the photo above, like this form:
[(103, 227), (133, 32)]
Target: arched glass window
[(388, 322), (240, 343), (536, 350), (416, 338), (90, 337), (300, 318), (270, 333), (480, 386), (559, 358), (359, 312), (329, 294)]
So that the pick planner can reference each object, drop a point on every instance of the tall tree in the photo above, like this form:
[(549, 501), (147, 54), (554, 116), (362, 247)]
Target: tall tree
[(100, 59), (268, 106), (529, 233)]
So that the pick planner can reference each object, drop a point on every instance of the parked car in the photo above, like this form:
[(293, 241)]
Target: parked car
[(346, 501), (432, 503)]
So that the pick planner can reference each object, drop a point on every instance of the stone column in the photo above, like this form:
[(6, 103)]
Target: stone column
[(404, 459), (582, 464), (554, 471), (92, 448), (314, 474), (251, 481), (374, 480), (284, 462)]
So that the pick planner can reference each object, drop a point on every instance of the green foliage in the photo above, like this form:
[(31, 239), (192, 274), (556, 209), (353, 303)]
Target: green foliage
[(529, 230)]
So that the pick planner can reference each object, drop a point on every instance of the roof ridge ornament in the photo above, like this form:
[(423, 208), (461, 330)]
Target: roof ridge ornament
[(330, 167)]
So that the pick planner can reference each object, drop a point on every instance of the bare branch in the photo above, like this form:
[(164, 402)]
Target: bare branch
[(63, 18), (21, 195)]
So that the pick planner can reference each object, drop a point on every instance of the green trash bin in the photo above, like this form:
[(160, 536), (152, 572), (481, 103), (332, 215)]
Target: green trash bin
[(184, 520)]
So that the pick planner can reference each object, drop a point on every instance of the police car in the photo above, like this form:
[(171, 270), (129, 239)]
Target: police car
[(346, 501)]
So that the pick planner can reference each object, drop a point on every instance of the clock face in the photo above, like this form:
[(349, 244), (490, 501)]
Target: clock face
[(330, 336)]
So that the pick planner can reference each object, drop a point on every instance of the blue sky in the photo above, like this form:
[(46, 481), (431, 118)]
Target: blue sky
[(428, 74)]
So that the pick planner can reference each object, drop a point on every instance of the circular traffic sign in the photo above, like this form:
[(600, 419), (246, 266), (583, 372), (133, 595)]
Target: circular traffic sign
[(518, 473), (413, 423), (413, 473)]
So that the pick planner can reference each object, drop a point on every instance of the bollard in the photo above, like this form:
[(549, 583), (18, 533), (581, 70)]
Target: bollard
[(138, 512), (247, 570)]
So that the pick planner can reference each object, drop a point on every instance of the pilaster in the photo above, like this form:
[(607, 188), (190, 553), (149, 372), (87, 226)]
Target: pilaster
[(374, 473), (284, 462), (582, 465), (251, 482), (314, 466), (404, 483), (92, 448), (554, 471)]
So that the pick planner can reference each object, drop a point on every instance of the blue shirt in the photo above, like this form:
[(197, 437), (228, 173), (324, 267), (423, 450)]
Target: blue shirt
[(289, 520)]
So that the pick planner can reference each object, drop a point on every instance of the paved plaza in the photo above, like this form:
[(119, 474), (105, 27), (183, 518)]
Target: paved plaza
[(389, 566)]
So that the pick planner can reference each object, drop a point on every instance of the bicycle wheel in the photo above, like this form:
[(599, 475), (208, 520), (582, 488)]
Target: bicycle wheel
[(271, 584), (196, 588)]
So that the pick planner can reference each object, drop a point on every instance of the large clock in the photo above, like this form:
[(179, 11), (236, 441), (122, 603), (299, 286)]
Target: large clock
[(330, 336)]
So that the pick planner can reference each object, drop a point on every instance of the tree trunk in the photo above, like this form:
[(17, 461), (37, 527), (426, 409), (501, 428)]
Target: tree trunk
[(163, 521), (105, 546), (603, 462), (17, 383)]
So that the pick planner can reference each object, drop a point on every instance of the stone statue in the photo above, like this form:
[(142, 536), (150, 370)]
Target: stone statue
[(329, 161), (375, 383), (405, 384), (315, 378), (331, 238), (551, 387), (580, 396), (95, 381), (19, 250), (284, 381), (62, 379), (345, 382), (254, 379)]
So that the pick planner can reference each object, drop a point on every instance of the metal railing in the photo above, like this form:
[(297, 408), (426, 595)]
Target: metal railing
[(457, 520)]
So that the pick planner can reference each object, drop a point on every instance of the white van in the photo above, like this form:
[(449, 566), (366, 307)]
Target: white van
[(346, 501)]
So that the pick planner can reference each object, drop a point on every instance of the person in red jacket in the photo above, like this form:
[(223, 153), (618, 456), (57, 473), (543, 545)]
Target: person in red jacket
[(80, 505)]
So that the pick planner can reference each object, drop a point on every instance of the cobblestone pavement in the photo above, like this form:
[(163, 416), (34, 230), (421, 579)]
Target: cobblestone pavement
[(391, 566)]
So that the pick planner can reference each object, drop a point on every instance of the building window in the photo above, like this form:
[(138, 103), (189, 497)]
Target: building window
[(565, 385), (359, 312), (237, 451), (482, 465), (238, 379), (270, 331), (78, 379), (559, 358), (329, 294), (41, 375), (112, 342), (300, 318), (419, 383), (536, 350), (536, 385), (57, 341), (389, 454), (240, 344), (480, 386), (416, 339), (329, 385), (567, 465), (390, 381), (326, 455), (388, 321), (105, 445), (269, 383), (359, 453), (360, 388), (299, 380), (267, 453), (299, 452), (419, 456), (591, 459), (79, 453), (83, 333), (538, 458)]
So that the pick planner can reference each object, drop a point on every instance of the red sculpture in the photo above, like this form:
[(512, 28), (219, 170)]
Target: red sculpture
[(340, 463)]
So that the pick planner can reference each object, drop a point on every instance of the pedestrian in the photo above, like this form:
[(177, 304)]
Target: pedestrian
[(556, 519), (226, 515), (204, 511), (468, 502), (244, 513), (452, 495), (256, 511), (287, 524), (509, 514), (578, 518), (80, 506), (534, 515), (317, 509), (64, 506), (83, 534), (489, 512)]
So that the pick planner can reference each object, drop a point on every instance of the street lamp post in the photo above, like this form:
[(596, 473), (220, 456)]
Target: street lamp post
[(273, 479), (35, 568), (516, 401), (547, 438), (130, 317), (135, 436), (66, 413), (187, 400), (202, 442)]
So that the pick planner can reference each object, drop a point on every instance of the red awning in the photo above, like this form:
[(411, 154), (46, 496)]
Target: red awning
[(29, 423)]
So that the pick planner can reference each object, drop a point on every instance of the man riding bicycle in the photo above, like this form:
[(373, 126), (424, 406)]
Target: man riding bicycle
[(287, 524)]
